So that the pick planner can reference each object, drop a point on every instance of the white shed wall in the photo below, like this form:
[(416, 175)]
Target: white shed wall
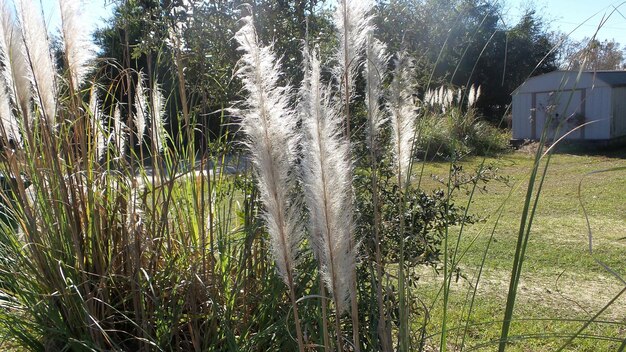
[(569, 106), (598, 108), (596, 104), (618, 125), (521, 118)]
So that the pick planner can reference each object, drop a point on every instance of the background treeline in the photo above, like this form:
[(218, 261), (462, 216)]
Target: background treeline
[(455, 42)]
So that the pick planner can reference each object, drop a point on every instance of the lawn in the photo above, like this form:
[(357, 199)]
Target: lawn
[(561, 281)]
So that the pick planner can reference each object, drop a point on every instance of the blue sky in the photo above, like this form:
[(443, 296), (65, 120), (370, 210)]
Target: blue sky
[(94, 11), (580, 17), (562, 15)]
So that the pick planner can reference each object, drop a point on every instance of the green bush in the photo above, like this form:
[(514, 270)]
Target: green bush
[(459, 132)]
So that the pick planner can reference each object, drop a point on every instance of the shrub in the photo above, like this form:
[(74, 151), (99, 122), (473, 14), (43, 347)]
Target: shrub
[(451, 127)]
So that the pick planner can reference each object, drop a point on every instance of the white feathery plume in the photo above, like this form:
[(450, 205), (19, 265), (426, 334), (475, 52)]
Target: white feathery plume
[(80, 51), (118, 131), (353, 25), (441, 96), (270, 126), (10, 125), (97, 127), (375, 73), (353, 22), (14, 65), (158, 117), (445, 99), (376, 60), (432, 97), (471, 96), (42, 70), (403, 113), (459, 96), (327, 182), (20, 71), (449, 97), (7, 26), (428, 97), (141, 109)]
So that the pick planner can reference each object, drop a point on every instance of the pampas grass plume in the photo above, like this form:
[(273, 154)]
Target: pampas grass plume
[(7, 32), (269, 125), (14, 66), (375, 73), (97, 127), (449, 98), (141, 109), (353, 24), (441, 96), (158, 117), (403, 115), (80, 50), (118, 131), (42, 70), (429, 97), (473, 95), (327, 181)]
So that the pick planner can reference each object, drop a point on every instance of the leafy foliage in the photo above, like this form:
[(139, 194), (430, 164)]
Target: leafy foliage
[(464, 43), (427, 216), (592, 55)]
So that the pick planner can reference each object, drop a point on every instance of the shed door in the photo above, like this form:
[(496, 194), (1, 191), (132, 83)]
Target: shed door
[(559, 112)]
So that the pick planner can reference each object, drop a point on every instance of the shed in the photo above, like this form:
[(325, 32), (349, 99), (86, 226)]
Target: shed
[(590, 105)]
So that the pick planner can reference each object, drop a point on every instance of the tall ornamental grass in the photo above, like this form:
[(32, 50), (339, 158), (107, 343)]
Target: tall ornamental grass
[(115, 236)]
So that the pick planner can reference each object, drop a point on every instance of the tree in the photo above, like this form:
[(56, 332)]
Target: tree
[(592, 55), (516, 54), (458, 42), (162, 37), (464, 42)]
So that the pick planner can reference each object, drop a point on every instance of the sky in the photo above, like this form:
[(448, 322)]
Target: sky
[(95, 12), (579, 18)]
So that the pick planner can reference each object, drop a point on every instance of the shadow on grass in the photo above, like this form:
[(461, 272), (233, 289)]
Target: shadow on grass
[(614, 149), (590, 149)]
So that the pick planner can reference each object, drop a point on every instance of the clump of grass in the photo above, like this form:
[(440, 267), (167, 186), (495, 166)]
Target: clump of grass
[(451, 126), (100, 250)]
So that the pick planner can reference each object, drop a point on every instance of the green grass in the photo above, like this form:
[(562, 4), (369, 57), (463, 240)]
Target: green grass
[(560, 279)]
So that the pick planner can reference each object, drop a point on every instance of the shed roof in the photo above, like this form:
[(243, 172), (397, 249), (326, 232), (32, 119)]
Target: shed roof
[(612, 78), (608, 78)]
